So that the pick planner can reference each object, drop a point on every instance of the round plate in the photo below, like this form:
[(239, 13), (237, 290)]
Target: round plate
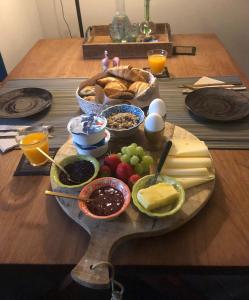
[(24, 102), (218, 104)]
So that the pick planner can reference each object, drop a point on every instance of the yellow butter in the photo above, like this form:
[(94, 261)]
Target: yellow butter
[(187, 162), (157, 196), (187, 172), (189, 148), (188, 182)]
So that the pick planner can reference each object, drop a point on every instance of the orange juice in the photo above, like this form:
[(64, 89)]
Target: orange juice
[(29, 143), (157, 63)]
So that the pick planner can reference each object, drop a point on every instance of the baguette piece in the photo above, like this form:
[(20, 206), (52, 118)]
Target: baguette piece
[(129, 73)]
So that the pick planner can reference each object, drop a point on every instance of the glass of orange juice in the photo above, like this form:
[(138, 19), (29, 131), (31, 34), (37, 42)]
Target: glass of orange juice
[(29, 139), (157, 60)]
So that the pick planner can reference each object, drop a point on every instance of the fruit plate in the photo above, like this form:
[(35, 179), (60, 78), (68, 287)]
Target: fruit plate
[(165, 211)]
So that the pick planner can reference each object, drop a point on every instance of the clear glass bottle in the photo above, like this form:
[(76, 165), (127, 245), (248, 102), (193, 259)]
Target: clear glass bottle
[(119, 29), (147, 27)]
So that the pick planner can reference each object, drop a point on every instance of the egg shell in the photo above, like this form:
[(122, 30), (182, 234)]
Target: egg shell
[(157, 106), (154, 122)]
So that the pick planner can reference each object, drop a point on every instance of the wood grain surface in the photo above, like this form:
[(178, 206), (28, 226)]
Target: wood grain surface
[(106, 235), (34, 229)]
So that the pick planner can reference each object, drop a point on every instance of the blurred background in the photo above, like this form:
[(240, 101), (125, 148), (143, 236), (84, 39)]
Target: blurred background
[(24, 22)]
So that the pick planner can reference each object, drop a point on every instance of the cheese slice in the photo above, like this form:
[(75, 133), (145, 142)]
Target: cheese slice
[(157, 196), (188, 182), (188, 148), (187, 172), (187, 162)]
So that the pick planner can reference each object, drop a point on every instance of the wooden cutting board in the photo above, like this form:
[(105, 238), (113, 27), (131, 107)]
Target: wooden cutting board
[(105, 235)]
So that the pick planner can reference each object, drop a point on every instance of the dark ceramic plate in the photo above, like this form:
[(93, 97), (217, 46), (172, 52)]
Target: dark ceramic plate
[(218, 104), (24, 102)]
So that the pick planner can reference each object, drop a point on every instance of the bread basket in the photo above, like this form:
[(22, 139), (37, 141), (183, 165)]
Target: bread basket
[(102, 101)]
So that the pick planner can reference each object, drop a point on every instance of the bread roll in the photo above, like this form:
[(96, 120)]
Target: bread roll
[(103, 81), (88, 90), (138, 87), (90, 98), (117, 90)]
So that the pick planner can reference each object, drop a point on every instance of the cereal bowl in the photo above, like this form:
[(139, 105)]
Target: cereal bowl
[(117, 111), (101, 190)]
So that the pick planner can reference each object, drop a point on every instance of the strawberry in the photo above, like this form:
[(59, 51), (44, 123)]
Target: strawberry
[(124, 171), (112, 161), (105, 171), (132, 179)]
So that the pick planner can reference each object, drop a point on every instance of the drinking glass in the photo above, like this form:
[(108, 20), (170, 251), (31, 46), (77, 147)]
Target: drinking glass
[(157, 60), (29, 139)]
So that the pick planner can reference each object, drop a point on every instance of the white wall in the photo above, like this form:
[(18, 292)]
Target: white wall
[(20, 28), (229, 19)]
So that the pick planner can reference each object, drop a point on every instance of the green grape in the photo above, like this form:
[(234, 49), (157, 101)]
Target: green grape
[(123, 150), (125, 158), (148, 160), (119, 154), (131, 150), (146, 167), (139, 169), (134, 160), (140, 151), (133, 145)]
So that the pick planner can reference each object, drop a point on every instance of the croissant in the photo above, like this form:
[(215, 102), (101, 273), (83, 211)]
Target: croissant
[(103, 81), (138, 87)]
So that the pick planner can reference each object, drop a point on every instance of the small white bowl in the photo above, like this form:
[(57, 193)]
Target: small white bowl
[(94, 150), (83, 139)]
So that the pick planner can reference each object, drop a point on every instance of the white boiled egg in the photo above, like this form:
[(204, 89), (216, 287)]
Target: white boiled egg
[(157, 106), (154, 122)]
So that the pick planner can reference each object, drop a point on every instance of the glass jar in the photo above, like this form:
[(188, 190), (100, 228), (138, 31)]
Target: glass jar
[(120, 27)]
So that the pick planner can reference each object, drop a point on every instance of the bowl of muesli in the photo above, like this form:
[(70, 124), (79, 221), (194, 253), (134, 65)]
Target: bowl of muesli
[(123, 120)]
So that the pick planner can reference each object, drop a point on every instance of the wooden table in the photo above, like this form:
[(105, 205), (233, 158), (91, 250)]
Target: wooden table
[(34, 229)]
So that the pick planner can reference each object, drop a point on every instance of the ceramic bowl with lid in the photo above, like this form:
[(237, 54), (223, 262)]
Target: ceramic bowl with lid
[(85, 135)]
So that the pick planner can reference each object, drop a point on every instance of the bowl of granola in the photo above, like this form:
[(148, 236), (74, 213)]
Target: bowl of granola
[(123, 120)]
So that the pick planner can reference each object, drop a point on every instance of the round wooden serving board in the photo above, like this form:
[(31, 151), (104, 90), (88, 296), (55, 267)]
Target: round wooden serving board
[(105, 235)]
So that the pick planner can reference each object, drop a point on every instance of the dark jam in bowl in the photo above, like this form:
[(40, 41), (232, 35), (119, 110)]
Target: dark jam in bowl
[(79, 171), (105, 201)]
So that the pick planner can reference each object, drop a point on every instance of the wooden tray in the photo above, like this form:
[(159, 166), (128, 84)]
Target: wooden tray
[(98, 40), (105, 235)]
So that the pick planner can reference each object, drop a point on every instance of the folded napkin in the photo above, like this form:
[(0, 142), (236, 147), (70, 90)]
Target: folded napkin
[(7, 136), (209, 81), (7, 144)]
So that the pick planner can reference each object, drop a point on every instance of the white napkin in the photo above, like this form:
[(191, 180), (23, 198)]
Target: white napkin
[(207, 80), (202, 80), (11, 131), (7, 144)]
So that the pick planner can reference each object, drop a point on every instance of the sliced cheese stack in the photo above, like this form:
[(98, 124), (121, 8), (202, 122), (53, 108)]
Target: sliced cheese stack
[(157, 196), (189, 162)]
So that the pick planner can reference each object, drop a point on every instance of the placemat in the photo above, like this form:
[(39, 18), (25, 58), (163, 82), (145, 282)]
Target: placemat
[(24, 168), (231, 135)]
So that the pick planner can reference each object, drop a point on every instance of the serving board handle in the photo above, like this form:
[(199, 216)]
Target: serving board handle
[(98, 251)]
